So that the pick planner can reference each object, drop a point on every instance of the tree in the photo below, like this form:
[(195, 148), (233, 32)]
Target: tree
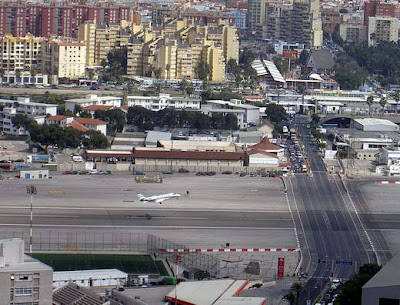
[(167, 68), (77, 109), (275, 113), (203, 71), (383, 103), (95, 139), (352, 289), (349, 75), (189, 90), (231, 65), (118, 61), (290, 297), (230, 122), (281, 63), (183, 85), (21, 120), (370, 102), (336, 38), (85, 114), (140, 117), (297, 288), (246, 57), (115, 119), (157, 73)]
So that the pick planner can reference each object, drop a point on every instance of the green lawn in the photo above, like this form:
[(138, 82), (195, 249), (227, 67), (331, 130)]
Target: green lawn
[(132, 264)]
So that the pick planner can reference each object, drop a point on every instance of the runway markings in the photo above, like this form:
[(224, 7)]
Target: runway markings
[(185, 250), (56, 192)]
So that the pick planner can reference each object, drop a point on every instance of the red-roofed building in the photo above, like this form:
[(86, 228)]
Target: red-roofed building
[(260, 158), (267, 146), (83, 124)]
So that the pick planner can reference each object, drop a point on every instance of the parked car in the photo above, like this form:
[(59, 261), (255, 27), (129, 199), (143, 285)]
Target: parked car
[(140, 173), (66, 173), (210, 173), (183, 171), (227, 173), (200, 174), (93, 172)]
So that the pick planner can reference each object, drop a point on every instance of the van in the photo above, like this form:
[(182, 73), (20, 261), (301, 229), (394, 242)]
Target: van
[(77, 158)]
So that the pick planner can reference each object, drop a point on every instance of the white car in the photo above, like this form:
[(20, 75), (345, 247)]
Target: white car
[(93, 172)]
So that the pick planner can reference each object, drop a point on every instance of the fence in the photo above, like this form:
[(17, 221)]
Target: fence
[(190, 261)]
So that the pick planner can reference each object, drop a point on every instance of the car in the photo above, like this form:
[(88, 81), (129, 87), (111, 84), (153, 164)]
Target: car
[(108, 173), (210, 173), (139, 173), (101, 173), (242, 174), (200, 174), (183, 171), (83, 172), (74, 173), (93, 172), (167, 173), (66, 173), (227, 173)]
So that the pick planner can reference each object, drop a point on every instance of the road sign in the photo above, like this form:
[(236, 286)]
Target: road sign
[(344, 262), (281, 267), (308, 302)]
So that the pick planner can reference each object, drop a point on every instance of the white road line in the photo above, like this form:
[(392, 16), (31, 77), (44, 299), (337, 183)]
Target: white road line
[(144, 227), (38, 215), (141, 209)]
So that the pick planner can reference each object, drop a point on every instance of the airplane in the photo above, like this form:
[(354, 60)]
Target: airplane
[(158, 198)]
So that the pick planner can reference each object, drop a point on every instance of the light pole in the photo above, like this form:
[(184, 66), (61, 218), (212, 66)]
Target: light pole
[(31, 190)]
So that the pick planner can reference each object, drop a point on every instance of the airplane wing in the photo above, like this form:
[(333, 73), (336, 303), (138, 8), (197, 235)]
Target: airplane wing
[(160, 200)]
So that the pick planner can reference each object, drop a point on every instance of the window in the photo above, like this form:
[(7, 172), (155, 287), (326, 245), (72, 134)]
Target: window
[(22, 277), (22, 291)]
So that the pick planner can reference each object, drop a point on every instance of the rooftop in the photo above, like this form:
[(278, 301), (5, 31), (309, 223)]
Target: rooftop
[(374, 121)]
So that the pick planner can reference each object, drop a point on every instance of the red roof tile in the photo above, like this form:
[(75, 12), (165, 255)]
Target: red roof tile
[(57, 117), (96, 107), (265, 144), (262, 152), (192, 155), (87, 121), (78, 126)]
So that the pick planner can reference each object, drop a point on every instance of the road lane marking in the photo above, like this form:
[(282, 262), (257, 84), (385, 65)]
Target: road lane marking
[(142, 227)]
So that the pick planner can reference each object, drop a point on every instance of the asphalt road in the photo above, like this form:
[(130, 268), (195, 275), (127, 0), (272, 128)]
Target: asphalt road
[(103, 217), (330, 224)]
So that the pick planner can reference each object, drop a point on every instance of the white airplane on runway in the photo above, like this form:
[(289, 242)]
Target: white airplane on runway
[(158, 198)]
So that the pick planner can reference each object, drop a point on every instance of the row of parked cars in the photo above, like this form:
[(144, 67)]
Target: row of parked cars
[(85, 172)]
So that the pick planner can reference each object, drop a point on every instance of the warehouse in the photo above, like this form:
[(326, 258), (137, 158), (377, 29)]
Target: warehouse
[(384, 287), (372, 124)]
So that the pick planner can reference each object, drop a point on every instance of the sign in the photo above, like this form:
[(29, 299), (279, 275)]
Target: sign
[(281, 267), (345, 262), (291, 54)]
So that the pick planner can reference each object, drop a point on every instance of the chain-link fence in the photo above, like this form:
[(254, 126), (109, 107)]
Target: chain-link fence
[(60, 241), (190, 261)]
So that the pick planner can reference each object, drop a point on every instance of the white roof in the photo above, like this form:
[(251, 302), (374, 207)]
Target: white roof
[(267, 67), (374, 121), (93, 98), (330, 103), (215, 292), (86, 274), (315, 76)]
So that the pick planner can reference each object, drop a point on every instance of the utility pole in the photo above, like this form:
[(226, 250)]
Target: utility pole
[(178, 259), (31, 190)]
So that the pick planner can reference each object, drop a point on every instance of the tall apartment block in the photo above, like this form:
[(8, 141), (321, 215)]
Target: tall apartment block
[(300, 23), (50, 20), (23, 279), (256, 15)]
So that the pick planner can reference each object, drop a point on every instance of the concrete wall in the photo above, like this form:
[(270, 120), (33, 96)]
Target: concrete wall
[(371, 296)]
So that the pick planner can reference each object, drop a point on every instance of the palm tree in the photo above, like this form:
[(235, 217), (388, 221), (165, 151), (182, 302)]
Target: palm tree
[(370, 102), (167, 68), (383, 103), (290, 297), (396, 97), (297, 288), (183, 86)]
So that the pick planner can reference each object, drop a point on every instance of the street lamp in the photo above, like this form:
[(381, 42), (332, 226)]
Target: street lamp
[(31, 190)]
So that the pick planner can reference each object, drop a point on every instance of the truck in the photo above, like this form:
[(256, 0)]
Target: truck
[(38, 159)]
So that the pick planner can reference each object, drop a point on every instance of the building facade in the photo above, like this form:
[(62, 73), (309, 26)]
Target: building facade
[(22, 278), (383, 28), (163, 101)]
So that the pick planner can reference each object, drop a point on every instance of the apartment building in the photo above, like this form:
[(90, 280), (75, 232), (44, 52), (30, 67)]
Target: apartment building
[(46, 20), (23, 279), (93, 99), (63, 59), (20, 53), (11, 108), (100, 39), (177, 49), (81, 124), (298, 23), (353, 32), (163, 101), (382, 28), (256, 15)]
